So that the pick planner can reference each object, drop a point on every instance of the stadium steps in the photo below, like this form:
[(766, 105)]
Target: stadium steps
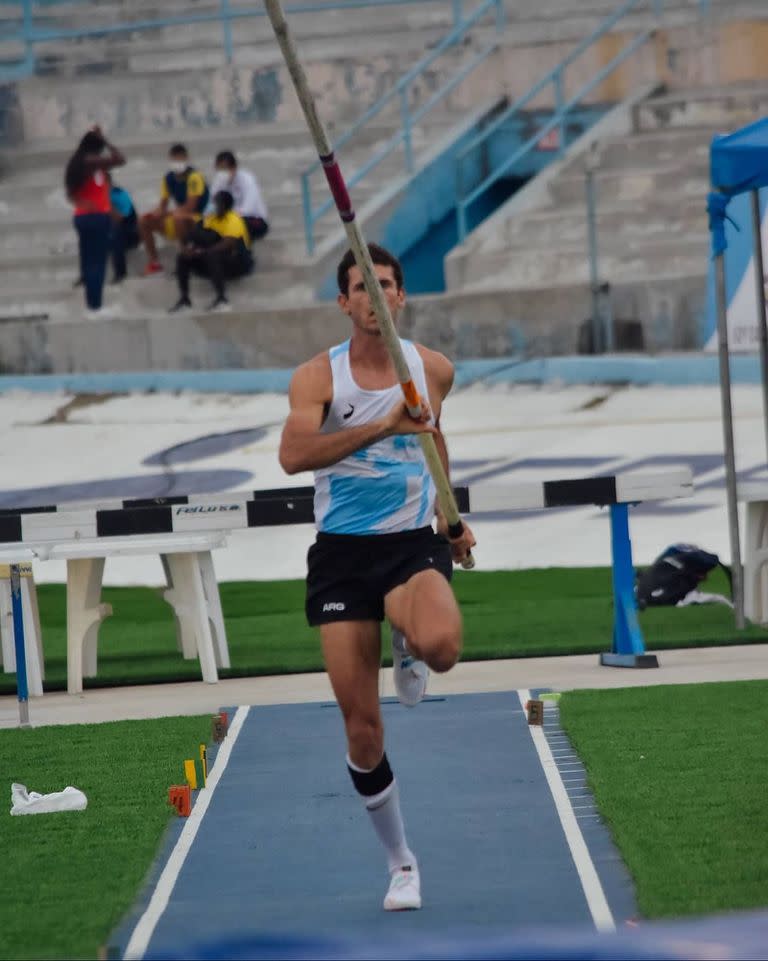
[(650, 189), (36, 277), (532, 21), (376, 33), (390, 39)]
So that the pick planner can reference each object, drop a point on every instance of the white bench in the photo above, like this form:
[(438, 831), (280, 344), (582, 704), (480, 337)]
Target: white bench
[(755, 496), (191, 590), (183, 530)]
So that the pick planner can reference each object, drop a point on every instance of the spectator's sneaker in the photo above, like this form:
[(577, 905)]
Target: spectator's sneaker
[(118, 279), (219, 306), (410, 675), (404, 892), (183, 303), (153, 267)]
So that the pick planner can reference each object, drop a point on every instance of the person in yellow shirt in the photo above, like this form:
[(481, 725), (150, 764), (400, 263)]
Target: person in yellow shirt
[(219, 248), (183, 186)]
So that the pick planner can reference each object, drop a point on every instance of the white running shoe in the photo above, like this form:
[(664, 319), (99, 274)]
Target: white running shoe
[(410, 675), (404, 892)]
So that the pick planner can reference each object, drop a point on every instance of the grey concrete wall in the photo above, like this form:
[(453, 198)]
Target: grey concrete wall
[(203, 98), (488, 323), (545, 322), (219, 341)]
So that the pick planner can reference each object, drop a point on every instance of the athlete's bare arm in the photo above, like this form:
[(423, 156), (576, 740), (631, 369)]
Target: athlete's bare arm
[(440, 373), (303, 447)]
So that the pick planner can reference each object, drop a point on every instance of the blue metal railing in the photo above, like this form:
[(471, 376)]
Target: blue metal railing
[(409, 117), (29, 33), (562, 107)]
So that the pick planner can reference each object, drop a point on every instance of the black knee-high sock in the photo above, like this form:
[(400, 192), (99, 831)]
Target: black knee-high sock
[(378, 789)]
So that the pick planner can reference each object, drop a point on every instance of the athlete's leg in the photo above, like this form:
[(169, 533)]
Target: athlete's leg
[(425, 609), (352, 652)]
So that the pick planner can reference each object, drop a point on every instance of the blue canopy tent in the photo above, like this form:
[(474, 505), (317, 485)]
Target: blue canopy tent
[(738, 164)]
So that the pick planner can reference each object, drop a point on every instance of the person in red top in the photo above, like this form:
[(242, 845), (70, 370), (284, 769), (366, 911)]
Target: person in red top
[(88, 190)]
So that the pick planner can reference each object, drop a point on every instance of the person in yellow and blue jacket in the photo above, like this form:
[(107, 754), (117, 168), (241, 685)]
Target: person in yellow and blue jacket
[(183, 198)]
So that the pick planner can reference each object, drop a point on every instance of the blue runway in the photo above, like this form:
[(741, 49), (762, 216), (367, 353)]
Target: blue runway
[(286, 847)]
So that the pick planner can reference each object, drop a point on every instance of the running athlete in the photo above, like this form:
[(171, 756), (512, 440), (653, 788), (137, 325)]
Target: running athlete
[(376, 554)]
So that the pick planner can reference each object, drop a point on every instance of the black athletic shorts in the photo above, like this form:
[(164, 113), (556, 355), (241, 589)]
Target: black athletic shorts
[(349, 575)]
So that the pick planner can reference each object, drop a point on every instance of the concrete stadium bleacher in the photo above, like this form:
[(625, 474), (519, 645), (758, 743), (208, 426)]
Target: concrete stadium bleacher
[(151, 96), (153, 87), (653, 239)]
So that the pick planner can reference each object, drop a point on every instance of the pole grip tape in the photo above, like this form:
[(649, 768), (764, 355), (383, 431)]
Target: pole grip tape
[(455, 530), (412, 399), (337, 187)]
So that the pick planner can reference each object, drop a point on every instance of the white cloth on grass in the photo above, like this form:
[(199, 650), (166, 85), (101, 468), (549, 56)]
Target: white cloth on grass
[(701, 597), (30, 802)]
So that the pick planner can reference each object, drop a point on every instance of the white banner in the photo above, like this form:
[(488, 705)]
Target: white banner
[(741, 291)]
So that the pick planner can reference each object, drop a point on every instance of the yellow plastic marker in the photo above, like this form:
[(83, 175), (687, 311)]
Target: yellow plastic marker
[(190, 773)]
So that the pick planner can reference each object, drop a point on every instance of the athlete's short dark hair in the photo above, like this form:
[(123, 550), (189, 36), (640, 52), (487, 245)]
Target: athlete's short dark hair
[(379, 256), (178, 150)]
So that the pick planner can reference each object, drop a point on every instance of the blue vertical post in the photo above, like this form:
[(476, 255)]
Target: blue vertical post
[(226, 25), (405, 117), (628, 646), (558, 81), (18, 639), (27, 25), (594, 272), (500, 15), (461, 219), (306, 202)]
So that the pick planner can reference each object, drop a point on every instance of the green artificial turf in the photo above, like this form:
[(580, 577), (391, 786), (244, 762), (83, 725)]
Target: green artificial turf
[(680, 775), (69, 877), (506, 614)]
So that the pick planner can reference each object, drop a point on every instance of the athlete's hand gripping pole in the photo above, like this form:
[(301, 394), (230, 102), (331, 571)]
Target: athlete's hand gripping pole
[(363, 259)]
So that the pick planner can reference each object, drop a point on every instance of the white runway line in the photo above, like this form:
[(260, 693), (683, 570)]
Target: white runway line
[(590, 882), (145, 926)]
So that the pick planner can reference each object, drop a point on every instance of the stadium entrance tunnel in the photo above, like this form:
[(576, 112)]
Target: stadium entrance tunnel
[(420, 223), (423, 261)]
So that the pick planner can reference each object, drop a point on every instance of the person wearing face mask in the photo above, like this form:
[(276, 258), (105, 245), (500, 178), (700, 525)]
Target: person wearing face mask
[(244, 187), (219, 248), (184, 187), (87, 185)]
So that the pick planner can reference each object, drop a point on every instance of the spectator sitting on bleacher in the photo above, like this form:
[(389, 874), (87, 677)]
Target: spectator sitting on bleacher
[(219, 249), (187, 188), (244, 187), (87, 188), (125, 229)]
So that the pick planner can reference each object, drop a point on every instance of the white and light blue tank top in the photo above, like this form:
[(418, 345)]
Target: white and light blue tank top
[(379, 489)]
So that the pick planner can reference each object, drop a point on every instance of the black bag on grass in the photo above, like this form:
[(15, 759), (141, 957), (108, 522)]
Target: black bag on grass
[(676, 572)]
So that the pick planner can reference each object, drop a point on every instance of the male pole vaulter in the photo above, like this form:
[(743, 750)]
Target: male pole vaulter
[(376, 554)]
